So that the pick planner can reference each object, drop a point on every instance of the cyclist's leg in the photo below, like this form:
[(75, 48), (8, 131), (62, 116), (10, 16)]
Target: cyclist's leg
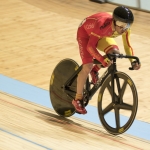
[(87, 61), (108, 46), (82, 77), (94, 73)]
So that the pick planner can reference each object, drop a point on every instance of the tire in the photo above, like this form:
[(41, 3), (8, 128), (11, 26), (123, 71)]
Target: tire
[(111, 111)]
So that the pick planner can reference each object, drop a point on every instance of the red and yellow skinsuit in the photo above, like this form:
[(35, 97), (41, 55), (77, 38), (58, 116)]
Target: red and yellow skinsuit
[(97, 32)]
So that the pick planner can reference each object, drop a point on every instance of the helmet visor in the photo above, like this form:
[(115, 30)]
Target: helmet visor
[(123, 25)]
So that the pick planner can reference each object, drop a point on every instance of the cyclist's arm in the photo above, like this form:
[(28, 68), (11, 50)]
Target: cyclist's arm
[(126, 43), (91, 48)]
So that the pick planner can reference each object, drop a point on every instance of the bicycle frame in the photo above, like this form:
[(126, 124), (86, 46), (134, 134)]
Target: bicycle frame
[(68, 89)]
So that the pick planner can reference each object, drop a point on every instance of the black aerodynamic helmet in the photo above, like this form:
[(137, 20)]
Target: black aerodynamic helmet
[(123, 14)]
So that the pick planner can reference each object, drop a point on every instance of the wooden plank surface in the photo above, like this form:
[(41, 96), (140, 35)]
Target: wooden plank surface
[(25, 125), (35, 36)]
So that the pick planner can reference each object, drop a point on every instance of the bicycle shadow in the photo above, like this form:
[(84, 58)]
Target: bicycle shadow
[(60, 121), (70, 125)]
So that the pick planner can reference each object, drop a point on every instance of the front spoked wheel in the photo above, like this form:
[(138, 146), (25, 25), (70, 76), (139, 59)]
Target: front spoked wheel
[(117, 114)]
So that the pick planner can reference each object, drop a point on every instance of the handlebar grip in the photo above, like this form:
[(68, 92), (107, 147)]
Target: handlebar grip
[(137, 59)]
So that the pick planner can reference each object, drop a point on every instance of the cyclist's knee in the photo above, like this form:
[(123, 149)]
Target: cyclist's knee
[(113, 51), (87, 68)]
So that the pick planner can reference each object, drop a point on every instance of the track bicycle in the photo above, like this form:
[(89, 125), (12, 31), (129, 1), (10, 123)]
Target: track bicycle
[(117, 93)]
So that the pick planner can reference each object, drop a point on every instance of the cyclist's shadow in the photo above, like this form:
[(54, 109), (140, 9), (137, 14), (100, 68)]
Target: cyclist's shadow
[(59, 121), (70, 125)]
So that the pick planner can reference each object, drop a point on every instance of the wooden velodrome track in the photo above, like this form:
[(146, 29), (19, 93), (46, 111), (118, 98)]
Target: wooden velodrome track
[(35, 35)]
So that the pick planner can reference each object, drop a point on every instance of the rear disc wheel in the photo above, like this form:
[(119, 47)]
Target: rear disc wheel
[(61, 102)]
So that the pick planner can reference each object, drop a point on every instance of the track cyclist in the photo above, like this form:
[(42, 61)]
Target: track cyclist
[(97, 32)]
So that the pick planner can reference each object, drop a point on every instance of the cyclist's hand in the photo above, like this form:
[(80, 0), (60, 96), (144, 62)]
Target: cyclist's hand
[(135, 65), (106, 62)]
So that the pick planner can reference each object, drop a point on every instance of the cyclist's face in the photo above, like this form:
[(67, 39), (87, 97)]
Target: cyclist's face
[(120, 30), (121, 27)]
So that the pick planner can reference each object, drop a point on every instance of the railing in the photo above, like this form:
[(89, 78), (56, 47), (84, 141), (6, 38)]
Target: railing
[(137, 4)]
